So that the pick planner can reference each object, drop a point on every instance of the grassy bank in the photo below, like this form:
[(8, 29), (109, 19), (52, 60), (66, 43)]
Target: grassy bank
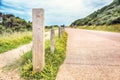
[(11, 41), (53, 61), (112, 28)]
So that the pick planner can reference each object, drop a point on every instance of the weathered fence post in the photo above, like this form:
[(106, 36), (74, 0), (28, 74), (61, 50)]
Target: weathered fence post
[(52, 41), (38, 39), (62, 28), (59, 32)]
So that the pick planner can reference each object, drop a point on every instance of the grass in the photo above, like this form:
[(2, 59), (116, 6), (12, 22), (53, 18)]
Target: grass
[(112, 28), (11, 41), (52, 61)]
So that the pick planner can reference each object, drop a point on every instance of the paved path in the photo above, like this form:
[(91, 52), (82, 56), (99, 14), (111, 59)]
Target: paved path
[(91, 55)]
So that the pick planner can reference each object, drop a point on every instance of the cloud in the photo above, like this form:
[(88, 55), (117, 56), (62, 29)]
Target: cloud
[(56, 11)]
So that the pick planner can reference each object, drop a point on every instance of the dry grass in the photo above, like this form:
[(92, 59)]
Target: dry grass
[(10, 41), (113, 28)]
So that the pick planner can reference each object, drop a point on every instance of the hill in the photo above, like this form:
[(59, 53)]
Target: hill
[(10, 23), (107, 15)]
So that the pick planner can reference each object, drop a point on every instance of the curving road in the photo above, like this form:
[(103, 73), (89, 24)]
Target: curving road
[(91, 55)]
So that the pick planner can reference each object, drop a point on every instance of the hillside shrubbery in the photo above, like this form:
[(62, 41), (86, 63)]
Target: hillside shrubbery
[(10, 23), (108, 15)]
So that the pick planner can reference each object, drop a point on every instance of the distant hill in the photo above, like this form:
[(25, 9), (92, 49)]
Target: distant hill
[(107, 15), (10, 23)]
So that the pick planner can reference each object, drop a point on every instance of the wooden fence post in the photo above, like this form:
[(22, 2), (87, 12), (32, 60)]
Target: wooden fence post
[(38, 39), (59, 32), (52, 41)]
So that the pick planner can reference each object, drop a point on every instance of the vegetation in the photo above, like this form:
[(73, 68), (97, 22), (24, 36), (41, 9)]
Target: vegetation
[(48, 28), (53, 61), (10, 23), (108, 15), (113, 28), (10, 41)]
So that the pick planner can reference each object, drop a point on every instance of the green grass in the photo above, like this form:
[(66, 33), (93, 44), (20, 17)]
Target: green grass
[(112, 28), (11, 41), (52, 61)]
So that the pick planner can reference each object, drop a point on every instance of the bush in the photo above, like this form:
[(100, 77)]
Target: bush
[(8, 31), (2, 29)]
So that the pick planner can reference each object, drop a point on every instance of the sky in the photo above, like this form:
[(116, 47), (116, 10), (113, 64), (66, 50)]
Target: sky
[(57, 12)]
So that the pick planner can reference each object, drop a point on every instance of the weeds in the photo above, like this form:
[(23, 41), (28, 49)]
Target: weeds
[(52, 61)]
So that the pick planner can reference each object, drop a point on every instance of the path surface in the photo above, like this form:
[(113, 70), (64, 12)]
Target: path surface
[(91, 55), (9, 57)]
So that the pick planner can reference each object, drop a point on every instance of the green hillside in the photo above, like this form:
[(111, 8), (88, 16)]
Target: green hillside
[(10, 23), (107, 15)]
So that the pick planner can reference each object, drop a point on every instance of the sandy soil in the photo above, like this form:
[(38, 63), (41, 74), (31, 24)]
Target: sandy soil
[(91, 55)]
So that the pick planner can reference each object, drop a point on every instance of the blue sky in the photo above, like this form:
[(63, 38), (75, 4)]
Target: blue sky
[(57, 12)]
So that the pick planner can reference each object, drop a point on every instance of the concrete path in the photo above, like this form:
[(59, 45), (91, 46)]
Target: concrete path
[(91, 55)]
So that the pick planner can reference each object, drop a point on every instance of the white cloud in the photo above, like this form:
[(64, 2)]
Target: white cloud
[(56, 11)]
